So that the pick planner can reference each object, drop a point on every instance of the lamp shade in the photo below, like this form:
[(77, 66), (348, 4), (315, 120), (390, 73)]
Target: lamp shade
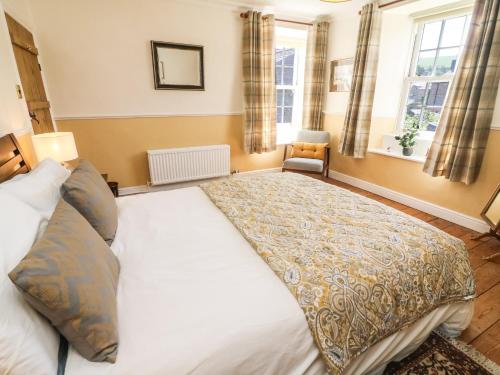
[(59, 146)]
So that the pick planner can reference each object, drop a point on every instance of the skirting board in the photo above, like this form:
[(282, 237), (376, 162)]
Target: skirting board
[(147, 189), (430, 208)]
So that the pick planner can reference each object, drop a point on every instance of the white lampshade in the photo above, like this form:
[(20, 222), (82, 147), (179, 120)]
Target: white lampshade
[(59, 146)]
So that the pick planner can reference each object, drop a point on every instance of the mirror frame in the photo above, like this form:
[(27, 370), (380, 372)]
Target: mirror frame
[(161, 86), (494, 226)]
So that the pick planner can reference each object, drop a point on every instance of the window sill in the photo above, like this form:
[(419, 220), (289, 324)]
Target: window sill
[(415, 158)]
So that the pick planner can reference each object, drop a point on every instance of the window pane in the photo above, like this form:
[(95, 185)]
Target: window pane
[(414, 103), (279, 76), (279, 115), (287, 76), (279, 98), (430, 37), (437, 93), (434, 105), (452, 32), (416, 95), (447, 61), (289, 98), (287, 115), (425, 63), (279, 56), (430, 119), (289, 57)]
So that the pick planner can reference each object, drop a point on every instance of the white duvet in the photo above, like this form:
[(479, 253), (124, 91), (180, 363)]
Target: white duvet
[(194, 298)]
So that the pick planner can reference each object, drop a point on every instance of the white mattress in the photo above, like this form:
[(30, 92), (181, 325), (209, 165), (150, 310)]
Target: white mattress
[(194, 298)]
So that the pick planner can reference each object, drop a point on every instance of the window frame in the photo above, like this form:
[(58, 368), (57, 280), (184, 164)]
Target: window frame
[(300, 46), (294, 87), (411, 77)]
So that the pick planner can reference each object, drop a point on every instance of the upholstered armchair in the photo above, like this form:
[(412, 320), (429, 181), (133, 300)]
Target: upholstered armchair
[(310, 153)]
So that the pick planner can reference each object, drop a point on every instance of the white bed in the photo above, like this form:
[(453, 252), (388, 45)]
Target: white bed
[(194, 298)]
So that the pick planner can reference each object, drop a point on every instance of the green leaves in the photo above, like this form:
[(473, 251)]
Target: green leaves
[(410, 132)]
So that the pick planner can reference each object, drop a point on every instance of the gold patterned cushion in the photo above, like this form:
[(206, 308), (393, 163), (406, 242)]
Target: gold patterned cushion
[(308, 150), (87, 191), (70, 276)]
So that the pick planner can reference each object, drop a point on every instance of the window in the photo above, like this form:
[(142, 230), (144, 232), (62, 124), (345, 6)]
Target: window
[(290, 65), (438, 46)]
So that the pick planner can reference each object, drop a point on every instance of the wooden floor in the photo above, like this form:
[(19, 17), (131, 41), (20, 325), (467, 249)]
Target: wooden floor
[(484, 330)]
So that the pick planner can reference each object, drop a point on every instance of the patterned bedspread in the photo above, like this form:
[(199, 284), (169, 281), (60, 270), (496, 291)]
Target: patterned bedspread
[(359, 269)]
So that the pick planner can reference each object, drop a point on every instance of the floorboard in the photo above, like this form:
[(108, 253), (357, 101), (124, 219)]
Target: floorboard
[(488, 343), (484, 330)]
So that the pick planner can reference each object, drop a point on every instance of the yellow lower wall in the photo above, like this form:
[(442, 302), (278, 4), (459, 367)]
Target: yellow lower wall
[(118, 146), (407, 177)]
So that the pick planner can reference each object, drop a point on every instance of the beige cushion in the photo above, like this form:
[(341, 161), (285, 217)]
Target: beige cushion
[(70, 276), (304, 164), (87, 191), (308, 150)]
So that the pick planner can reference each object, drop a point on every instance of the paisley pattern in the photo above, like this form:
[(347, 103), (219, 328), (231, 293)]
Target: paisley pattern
[(359, 270)]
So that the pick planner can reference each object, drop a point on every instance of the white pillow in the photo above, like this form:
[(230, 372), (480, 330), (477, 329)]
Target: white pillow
[(39, 188), (28, 343)]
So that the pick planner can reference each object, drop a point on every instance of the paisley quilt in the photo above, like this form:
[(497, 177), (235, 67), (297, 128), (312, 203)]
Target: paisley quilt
[(360, 270)]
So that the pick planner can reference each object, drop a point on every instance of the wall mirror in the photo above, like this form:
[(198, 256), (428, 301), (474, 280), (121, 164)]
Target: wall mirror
[(177, 66)]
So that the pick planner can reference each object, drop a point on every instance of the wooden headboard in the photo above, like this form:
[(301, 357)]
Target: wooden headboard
[(12, 158)]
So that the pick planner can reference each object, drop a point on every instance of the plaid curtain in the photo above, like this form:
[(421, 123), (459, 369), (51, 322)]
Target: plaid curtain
[(259, 89), (458, 147), (356, 131), (314, 79)]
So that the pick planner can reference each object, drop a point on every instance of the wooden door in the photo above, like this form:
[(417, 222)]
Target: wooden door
[(31, 76)]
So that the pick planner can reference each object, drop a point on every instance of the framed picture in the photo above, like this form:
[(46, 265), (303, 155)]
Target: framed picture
[(177, 66), (341, 75)]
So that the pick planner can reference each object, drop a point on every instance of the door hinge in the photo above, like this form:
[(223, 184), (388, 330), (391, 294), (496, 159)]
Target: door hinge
[(19, 92)]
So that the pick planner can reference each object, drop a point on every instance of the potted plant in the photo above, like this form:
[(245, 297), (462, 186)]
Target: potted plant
[(408, 139)]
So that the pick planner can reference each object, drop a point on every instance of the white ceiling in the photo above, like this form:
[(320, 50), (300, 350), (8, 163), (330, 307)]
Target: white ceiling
[(422, 5), (306, 9)]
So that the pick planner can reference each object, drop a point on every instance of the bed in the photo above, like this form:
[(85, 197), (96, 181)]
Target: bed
[(194, 296)]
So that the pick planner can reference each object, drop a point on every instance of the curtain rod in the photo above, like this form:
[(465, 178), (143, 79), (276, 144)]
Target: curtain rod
[(245, 15), (388, 4)]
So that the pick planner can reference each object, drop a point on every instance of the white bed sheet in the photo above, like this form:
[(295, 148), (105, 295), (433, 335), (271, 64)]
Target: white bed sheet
[(194, 298)]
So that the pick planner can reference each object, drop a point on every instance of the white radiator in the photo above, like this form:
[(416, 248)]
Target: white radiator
[(190, 163)]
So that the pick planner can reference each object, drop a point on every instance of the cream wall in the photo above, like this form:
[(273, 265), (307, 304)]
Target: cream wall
[(14, 116), (396, 174), (100, 77), (97, 56)]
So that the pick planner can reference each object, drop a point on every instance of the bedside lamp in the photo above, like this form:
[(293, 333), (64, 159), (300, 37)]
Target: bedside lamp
[(59, 146)]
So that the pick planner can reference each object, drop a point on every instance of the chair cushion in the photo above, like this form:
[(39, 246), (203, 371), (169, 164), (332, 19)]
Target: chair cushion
[(70, 276), (313, 136), (308, 150), (87, 191), (304, 164)]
